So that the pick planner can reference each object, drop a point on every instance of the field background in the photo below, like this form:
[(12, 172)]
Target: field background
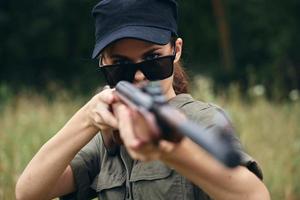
[(249, 48), (269, 131)]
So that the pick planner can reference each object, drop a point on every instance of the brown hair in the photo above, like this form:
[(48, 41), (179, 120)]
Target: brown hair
[(180, 81)]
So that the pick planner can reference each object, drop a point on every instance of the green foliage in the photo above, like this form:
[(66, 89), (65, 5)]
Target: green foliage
[(5, 95), (45, 41), (27, 121), (52, 40), (265, 39)]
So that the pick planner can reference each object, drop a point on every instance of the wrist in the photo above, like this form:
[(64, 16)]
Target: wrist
[(85, 120)]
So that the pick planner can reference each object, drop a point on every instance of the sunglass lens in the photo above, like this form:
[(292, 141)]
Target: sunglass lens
[(158, 69), (114, 74)]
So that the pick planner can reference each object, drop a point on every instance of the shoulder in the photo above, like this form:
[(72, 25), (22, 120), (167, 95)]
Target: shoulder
[(208, 114), (211, 116)]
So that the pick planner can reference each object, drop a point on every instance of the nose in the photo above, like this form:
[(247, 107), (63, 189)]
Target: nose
[(139, 76)]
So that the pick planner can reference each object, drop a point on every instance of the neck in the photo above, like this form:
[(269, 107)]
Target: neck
[(170, 94)]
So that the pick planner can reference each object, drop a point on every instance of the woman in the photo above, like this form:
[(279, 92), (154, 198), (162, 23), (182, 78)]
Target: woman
[(88, 158)]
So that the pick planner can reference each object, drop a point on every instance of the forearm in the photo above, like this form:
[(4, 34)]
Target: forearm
[(43, 171), (215, 179)]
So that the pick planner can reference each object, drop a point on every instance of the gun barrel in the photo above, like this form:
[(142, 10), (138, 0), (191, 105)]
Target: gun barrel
[(217, 142)]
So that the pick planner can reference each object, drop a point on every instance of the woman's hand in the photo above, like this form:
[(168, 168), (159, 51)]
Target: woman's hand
[(140, 134), (99, 113)]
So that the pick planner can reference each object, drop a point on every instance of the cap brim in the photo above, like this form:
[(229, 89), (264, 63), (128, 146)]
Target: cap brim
[(149, 34)]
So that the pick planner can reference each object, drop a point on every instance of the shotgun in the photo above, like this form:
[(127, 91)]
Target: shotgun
[(173, 126)]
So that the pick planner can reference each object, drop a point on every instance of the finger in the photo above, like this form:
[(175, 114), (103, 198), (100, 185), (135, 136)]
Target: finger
[(146, 124), (108, 118), (166, 146), (102, 127), (102, 115), (106, 87), (98, 121), (125, 126), (116, 96), (107, 96)]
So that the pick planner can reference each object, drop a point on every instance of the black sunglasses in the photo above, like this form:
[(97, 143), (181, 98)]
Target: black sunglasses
[(155, 69)]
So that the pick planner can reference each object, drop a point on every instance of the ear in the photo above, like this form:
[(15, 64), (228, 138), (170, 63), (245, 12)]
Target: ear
[(178, 49)]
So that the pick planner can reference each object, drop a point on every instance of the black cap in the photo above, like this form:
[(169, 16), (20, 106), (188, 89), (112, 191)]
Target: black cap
[(149, 20)]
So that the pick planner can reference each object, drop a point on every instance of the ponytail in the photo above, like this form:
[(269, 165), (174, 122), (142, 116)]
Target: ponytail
[(180, 81)]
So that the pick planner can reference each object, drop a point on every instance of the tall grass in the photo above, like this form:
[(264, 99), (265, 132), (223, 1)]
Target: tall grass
[(27, 121), (269, 132)]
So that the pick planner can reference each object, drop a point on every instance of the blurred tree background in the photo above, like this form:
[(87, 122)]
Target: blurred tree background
[(244, 42)]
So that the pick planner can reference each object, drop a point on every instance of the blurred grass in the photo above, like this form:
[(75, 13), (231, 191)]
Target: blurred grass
[(270, 132), (27, 121)]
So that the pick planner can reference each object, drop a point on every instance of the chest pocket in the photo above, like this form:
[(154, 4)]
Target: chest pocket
[(110, 182), (154, 180)]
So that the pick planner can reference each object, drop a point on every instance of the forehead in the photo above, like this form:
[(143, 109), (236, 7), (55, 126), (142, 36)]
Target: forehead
[(129, 46)]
